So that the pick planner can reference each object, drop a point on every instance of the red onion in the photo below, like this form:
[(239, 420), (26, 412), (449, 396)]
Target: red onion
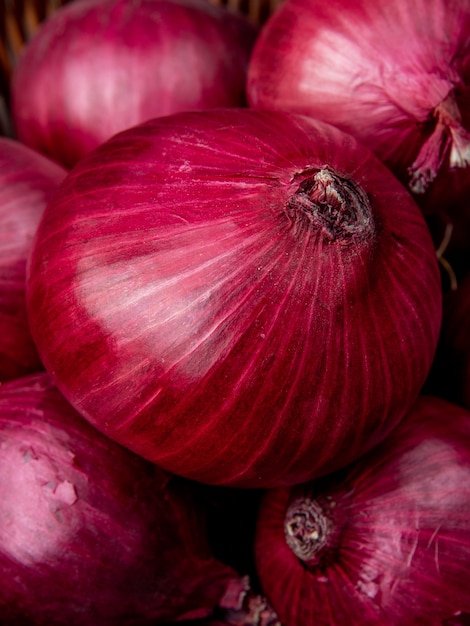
[(391, 72), (96, 67), (89, 532), (27, 182), (385, 542), (244, 298)]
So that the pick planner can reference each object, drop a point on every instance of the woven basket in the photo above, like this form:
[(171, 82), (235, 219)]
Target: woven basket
[(19, 19)]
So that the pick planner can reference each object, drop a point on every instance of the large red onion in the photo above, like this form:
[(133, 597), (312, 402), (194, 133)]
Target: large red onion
[(385, 542), (27, 182), (91, 534), (246, 298), (391, 72), (96, 67)]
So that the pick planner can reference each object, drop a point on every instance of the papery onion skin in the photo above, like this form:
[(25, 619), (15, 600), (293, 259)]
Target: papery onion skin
[(91, 534), (397, 551), (189, 303), (96, 67), (391, 72), (27, 181)]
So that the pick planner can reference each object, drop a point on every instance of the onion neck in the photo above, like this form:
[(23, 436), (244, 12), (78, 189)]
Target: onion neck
[(449, 137), (308, 528), (333, 204)]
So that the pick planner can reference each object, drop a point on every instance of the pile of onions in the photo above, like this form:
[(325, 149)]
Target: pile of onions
[(91, 533), (385, 542), (96, 67), (244, 298), (27, 182), (394, 73)]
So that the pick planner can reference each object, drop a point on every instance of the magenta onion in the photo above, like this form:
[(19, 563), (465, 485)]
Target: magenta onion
[(27, 182), (385, 542), (244, 298), (91, 534), (96, 67), (391, 72)]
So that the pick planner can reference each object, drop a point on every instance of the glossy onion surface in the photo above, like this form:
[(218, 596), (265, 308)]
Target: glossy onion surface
[(91, 534), (96, 67), (245, 298), (385, 542), (394, 73), (27, 182)]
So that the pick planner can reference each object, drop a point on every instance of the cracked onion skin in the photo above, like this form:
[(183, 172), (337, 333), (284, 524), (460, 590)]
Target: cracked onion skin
[(91, 534), (244, 298), (385, 542)]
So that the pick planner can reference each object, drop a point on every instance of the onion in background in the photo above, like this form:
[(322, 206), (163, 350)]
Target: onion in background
[(96, 67), (245, 298), (27, 181), (91, 534), (393, 73), (386, 542)]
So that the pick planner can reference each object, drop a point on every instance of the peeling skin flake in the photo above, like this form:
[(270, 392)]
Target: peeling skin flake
[(66, 493)]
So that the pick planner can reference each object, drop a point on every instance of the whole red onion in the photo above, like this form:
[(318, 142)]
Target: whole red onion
[(245, 298), (91, 534), (96, 67), (27, 182), (385, 542), (391, 72)]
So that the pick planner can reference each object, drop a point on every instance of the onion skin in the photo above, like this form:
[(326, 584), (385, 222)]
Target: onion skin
[(27, 181), (91, 534), (189, 303), (393, 73), (397, 548), (96, 67)]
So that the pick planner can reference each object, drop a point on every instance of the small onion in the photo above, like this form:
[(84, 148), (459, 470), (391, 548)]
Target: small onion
[(394, 73), (386, 542), (91, 534), (96, 67), (245, 298), (27, 182)]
